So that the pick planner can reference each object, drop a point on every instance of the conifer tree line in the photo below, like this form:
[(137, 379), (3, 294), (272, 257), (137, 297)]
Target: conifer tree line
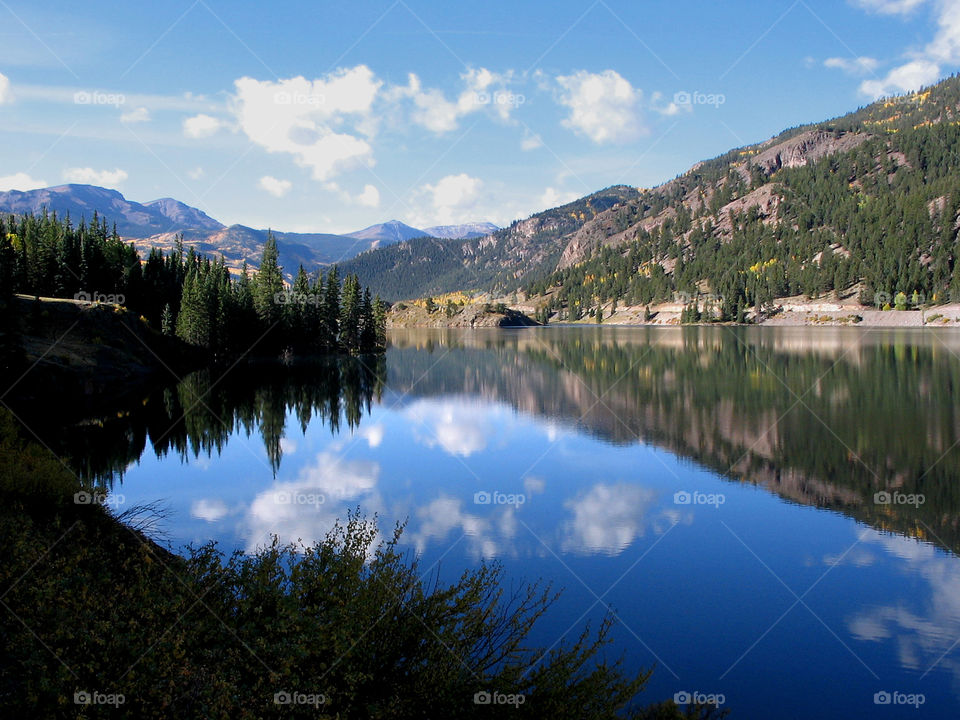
[(188, 295), (883, 215)]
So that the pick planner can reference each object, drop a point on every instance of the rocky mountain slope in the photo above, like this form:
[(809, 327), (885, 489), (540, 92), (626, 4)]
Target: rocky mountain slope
[(868, 200)]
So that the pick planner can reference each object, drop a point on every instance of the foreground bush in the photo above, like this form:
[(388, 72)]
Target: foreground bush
[(93, 611)]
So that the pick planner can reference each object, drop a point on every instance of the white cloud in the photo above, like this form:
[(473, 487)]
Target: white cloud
[(456, 426), (445, 514), (5, 95), (306, 508), (277, 188), (370, 197), (671, 108), (319, 122), (453, 199), (906, 78), (852, 66), (552, 198), (603, 106), (20, 181), (89, 176), (925, 66), (531, 141), (201, 126), (209, 510), (891, 7), (482, 89), (606, 518), (373, 434), (139, 115), (196, 173)]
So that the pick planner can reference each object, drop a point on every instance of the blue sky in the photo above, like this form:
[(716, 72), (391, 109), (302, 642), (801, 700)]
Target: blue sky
[(330, 117)]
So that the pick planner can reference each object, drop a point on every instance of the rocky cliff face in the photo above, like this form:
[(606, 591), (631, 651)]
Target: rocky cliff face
[(622, 222)]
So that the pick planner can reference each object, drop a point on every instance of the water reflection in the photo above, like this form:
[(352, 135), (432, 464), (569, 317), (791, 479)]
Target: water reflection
[(604, 433), (825, 418)]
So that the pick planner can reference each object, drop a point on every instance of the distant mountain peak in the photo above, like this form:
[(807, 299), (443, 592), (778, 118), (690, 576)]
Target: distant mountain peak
[(392, 231), (463, 231)]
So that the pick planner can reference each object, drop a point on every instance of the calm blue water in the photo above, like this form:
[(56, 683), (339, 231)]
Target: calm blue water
[(713, 488)]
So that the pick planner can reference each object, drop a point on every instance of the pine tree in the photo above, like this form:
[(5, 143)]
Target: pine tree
[(331, 310), (268, 285)]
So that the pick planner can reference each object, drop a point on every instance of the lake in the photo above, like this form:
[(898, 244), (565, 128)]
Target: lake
[(772, 514)]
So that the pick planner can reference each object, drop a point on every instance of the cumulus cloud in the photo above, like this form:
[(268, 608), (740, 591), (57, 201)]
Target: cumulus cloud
[(274, 186), (138, 115), (906, 78), (307, 507), (852, 66), (5, 94), (209, 510), (552, 198), (925, 65), (324, 124), (89, 176), (201, 126), (482, 89), (923, 632), (452, 199), (370, 197), (456, 426), (604, 107), (196, 173), (606, 518), (486, 537), (20, 181), (373, 434)]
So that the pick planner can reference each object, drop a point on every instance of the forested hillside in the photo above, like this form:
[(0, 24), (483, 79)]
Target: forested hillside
[(186, 294), (428, 266), (867, 201)]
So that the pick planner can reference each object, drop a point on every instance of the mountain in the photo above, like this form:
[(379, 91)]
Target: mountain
[(395, 231), (183, 215), (466, 231), (531, 247), (865, 203), (132, 219), (391, 231), (156, 224)]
